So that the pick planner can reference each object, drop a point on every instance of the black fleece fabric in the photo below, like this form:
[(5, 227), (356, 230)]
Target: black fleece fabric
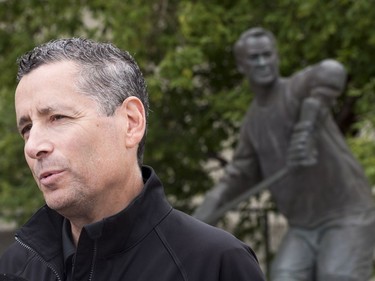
[(147, 241)]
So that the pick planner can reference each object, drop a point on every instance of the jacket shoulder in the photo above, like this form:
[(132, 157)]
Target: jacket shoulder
[(200, 233), (205, 252)]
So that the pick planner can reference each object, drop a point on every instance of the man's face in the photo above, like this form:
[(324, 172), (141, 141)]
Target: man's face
[(77, 155), (259, 61)]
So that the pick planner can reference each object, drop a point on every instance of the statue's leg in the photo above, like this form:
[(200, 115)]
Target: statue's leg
[(346, 249), (295, 258)]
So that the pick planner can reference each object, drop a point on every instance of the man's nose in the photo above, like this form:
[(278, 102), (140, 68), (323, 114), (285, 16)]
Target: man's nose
[(262, 60), (38, 144)]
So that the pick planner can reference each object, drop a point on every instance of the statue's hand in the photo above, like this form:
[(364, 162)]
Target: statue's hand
[(302, 150)]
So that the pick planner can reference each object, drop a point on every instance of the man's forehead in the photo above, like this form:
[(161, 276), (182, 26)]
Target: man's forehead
[(259, 43), (46, 70), (48, 88), (41, 109)]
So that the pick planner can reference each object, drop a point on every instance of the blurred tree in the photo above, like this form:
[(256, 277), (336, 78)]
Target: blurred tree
[(197, 97), (23, 24)]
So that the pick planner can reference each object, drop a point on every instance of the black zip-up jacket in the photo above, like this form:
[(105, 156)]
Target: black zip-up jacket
[(147, 241)]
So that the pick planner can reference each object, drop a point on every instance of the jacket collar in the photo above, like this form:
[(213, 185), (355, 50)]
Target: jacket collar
[(43, 232), (121, 231)]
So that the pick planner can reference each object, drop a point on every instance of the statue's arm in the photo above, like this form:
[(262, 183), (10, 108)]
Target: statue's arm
[(324, 81), (320, 85), (239, 175), (327, 81)]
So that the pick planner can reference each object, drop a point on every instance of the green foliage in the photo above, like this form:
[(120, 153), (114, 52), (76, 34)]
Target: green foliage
[(197, 96), (24, 24), (363, 147)]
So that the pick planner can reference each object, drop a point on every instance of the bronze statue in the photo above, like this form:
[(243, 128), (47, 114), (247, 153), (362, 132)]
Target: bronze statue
[(323, 192)]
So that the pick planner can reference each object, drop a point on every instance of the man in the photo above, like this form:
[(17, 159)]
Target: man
[(81, 109), (324, 195)]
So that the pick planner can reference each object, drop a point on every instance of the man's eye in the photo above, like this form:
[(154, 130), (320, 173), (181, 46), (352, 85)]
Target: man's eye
[(57, 117), (267, 54), (25, 130)]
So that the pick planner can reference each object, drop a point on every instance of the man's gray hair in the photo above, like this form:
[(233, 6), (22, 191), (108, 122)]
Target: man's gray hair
[(106, 73)]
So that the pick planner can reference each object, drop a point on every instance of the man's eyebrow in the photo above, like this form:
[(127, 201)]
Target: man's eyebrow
[(22, 121), (42, 112), (46, 110)]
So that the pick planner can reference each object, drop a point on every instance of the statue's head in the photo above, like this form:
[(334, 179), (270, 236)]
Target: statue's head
[(256, 56)]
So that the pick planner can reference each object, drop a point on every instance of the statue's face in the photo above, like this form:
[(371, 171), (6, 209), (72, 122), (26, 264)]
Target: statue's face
[(260, 61)]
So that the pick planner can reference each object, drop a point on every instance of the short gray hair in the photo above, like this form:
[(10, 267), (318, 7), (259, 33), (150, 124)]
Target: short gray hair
[(107, 74)]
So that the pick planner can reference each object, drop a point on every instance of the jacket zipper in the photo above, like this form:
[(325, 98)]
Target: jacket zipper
[(39, 258), (93, 262)]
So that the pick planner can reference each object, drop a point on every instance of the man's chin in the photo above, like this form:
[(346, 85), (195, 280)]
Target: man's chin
[(56, 206), (55, 202), (264, 81)]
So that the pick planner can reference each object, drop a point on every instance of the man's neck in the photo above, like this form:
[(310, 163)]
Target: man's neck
[(116, 205), (264, 94), (76, 232)]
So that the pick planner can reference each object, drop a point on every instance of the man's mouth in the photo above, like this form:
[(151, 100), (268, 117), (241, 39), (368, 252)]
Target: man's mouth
[(46, 175), (49, 177)]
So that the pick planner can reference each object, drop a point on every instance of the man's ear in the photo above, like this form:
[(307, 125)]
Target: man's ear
[(134, 112)]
